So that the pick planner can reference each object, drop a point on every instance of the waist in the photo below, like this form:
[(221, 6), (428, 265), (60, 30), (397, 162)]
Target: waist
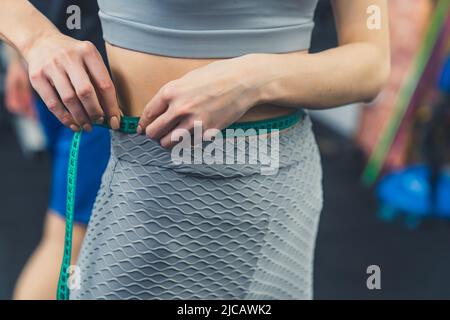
[(139, 76), (252, 147)]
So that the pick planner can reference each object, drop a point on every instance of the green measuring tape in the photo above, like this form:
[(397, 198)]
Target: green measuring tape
[(63, 289), (129, 125)]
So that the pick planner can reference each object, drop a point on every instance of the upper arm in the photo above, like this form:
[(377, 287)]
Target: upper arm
[(355, 18)]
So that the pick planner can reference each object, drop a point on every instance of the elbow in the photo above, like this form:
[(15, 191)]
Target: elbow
[(378, 79)]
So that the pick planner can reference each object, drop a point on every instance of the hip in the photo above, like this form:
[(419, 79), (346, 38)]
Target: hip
[(143, 178), (244, 148)]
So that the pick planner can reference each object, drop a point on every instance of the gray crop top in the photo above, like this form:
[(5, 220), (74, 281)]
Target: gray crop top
[(208, 28)]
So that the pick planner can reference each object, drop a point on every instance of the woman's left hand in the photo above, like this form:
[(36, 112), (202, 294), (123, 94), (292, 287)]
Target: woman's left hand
[(217, 94)]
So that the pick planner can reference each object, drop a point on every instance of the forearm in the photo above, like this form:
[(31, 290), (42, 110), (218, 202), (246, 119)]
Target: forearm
[(69, 75), (21, 24), (350, 73)]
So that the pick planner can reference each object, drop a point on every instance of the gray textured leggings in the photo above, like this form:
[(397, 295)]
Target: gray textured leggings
[(166, 231)]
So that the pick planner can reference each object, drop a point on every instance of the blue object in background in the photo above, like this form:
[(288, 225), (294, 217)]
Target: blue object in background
[(408, 192), (92, 161), (444, 80)]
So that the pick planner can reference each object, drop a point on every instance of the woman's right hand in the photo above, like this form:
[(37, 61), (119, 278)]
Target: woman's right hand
[(73, 81)]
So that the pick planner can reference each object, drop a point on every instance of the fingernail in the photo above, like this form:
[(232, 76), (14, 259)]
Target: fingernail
[(114, 123), (74, 128), (87, 127), (139, 129), (165, 144), (100, 120)]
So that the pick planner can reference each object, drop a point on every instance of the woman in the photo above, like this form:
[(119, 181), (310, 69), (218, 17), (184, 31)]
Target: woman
[(166, 230), (39, 278)]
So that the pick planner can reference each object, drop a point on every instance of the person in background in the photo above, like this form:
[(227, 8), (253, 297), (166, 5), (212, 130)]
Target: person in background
[(39, 278), (408, 23)]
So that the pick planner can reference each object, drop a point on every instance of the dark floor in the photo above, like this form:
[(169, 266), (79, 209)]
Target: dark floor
[(414, 264)]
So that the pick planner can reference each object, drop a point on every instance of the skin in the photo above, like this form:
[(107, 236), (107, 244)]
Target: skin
[(18, 92), (170, 93), (69, 75), (215, 92), (39, 278)]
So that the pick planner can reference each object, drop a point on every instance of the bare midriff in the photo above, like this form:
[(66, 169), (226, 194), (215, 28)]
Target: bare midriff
[(139, 76)]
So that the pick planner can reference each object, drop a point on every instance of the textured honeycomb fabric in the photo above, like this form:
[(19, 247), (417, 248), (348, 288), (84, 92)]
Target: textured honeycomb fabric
[(166, 231)]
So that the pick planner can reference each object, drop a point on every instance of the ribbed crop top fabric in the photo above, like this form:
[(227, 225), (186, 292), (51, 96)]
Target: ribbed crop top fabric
[(208, 28)]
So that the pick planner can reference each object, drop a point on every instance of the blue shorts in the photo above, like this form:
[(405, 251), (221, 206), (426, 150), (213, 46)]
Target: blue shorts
[(92, 161)]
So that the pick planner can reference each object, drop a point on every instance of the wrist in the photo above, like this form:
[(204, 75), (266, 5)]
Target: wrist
[(262, 75), (29, 41)]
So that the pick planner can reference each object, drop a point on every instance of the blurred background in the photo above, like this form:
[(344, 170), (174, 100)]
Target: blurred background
[(386, 172)]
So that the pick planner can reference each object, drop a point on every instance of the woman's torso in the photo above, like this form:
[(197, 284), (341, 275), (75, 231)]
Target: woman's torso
[(150, 43), (138, 77)]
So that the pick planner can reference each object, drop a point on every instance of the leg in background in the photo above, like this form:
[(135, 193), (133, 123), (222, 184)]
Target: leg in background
[(39, 278)]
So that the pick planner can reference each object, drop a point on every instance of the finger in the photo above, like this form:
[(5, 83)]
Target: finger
[(103, 84), (51, 100), (162, 125), (85, 91), (69, 98), (169, 141), (156, 107)]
